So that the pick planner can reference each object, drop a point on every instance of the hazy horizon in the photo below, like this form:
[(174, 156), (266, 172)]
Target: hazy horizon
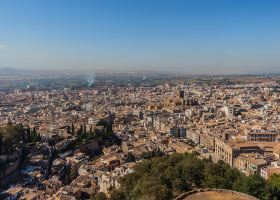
[(192, 36)]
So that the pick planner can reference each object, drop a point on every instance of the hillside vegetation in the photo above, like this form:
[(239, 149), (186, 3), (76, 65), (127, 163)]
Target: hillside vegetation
[(166, 177)]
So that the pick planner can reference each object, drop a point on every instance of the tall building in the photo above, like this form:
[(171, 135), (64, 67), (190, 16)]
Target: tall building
[(179, 132), (230, 111)]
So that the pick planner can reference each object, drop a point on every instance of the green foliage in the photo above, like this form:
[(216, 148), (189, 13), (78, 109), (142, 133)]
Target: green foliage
[(152, 154), (163, 177), (10, 136), (179, 186), (85, 136), (100, 196), (191, 143), (35, 136), (168, 176), (253, 185), (107, 125), (220, 175), (72, 129), (117, 195), (152, 191), (273, 187), (80, 131), (130, 157)]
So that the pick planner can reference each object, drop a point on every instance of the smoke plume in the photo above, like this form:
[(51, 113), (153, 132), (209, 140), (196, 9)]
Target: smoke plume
[(90, 79)]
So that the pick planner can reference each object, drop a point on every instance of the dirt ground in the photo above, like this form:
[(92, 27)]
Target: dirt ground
[(211, 195)]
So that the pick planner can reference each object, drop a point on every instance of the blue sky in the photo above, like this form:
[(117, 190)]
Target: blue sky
[(192, 36)]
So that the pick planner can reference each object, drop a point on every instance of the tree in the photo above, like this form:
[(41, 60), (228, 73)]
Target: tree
[(68, 129), (11, 137), (80, 131), (100, 196), (34, 135), (192, 171), (72, 129), (130, 157), (117, 195), (179, 186), (39, 137), (220, 175), (210, 158), (90, 130), (253, 185), (28, 134), (273, 187), (157, 192), (22, 132), (158, 153), (107, 126), (85, 128), (168, 176), (1, 144)]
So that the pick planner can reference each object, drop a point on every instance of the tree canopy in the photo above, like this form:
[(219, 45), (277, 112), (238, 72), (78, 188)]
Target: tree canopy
[(166, 177), (10, 136)]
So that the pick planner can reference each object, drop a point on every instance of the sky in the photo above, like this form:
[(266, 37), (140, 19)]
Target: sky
[(190, 36)]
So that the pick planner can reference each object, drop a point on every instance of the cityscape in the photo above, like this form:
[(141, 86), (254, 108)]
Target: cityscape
[(79, 143), (139, 100)]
